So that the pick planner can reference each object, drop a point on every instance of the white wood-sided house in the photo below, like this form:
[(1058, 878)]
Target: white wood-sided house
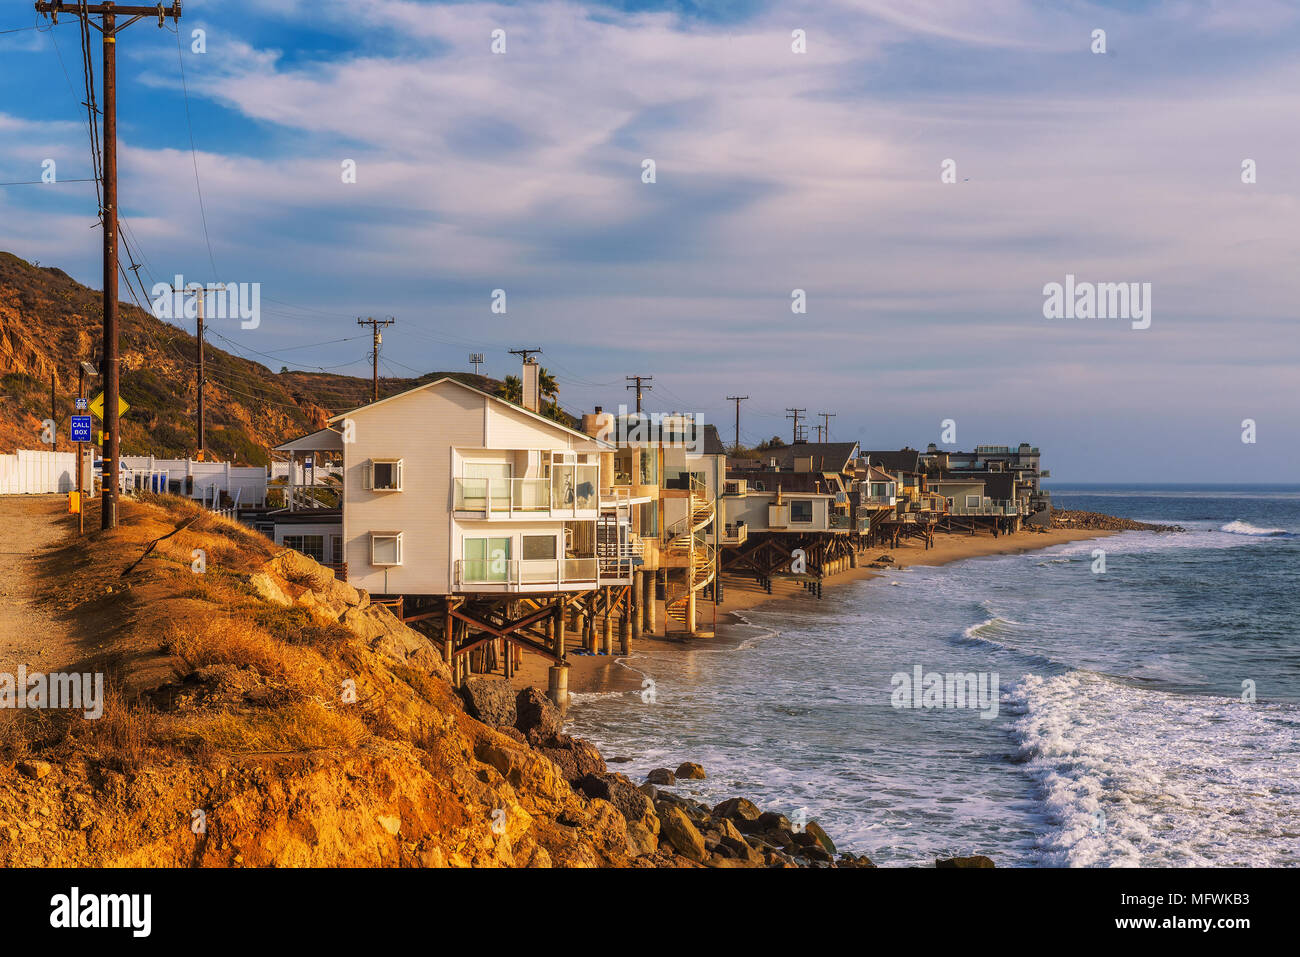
[(450, 490)]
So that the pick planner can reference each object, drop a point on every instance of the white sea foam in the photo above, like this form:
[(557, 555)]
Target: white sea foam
[(1245, 528), (1132, 777)]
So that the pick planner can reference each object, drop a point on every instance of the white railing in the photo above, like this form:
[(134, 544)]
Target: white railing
[(987, 507), (142, 480), (617, 559), (510, 574)]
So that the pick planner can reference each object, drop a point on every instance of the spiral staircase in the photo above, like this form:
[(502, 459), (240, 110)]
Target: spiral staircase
[(688, 541)]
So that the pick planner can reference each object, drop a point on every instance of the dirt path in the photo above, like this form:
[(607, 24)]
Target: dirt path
[(29, 632)]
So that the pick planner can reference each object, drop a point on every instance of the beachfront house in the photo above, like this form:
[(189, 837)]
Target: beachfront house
[(790, 512)]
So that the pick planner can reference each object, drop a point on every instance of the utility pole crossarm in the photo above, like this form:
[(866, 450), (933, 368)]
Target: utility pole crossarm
[(639, 386)]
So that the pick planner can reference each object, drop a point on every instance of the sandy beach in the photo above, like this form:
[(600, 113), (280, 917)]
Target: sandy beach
[(594, 673)]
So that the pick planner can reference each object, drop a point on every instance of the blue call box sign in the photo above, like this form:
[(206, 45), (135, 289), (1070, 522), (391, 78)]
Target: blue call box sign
[(81, 428)]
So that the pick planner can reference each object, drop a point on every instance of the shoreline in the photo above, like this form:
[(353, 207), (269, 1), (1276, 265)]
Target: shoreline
[(597, 674)]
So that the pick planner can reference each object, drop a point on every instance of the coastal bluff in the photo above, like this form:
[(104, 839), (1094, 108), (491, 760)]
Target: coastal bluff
[(264, 714)]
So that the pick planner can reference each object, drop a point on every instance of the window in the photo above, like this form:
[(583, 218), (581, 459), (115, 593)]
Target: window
[(538, 548), (486, 560), (384, 475), (310, 545), (649, 519), (801, 511), (336, 548), (973, 501), (385, 548)]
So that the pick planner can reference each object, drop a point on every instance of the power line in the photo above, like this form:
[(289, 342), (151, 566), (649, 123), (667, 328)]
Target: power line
[(41, 182), (194, 155)]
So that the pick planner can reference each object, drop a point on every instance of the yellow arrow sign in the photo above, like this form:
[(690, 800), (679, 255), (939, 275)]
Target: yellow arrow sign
[(97, 406)]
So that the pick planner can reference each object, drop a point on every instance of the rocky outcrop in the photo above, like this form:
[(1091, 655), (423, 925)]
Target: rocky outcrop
[(1066, 518)]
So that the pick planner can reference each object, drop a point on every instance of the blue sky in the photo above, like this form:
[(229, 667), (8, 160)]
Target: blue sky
[(775, 171)]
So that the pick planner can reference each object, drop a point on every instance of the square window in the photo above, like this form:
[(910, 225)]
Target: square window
[(801, 511), (385, 475), (385, 548), (538, 548)]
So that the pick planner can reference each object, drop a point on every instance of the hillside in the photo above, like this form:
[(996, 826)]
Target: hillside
[(49, 323), (265, 714)]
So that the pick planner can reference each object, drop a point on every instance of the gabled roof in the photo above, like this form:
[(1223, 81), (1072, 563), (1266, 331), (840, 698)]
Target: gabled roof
[(541, 419), (900, 460), (826, 456), (322, 440), (712, 443)]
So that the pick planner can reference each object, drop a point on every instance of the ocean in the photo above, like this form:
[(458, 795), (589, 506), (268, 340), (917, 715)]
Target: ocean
[(1147, 714)]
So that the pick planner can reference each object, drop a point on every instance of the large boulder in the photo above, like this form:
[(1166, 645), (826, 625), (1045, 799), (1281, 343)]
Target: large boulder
[(491, 700), (575, 757), (978, 860), (536, 716), (822, 838), (690, 771), (641, 841), (676, 829), (743, 812), (661, 777), (635, 806)]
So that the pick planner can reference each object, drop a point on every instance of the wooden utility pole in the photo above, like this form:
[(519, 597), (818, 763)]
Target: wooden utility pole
[(737, 399), (826, 425), (109, 29), (639, 379), (377, 340), (200, 423), (794, 414), (202, 374)]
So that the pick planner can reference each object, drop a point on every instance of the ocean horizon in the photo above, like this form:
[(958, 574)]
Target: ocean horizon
[(1147, 707)]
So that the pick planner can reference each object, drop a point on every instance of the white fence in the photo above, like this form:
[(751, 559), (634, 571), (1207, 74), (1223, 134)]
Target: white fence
[(246, 484), (33, 473)]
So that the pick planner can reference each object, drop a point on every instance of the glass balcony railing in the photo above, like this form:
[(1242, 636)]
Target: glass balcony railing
[(569, 490)]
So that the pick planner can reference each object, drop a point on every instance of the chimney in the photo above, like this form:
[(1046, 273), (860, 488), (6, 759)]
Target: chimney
[(532, 380)]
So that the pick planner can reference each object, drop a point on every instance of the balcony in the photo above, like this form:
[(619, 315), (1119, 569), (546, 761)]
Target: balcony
[(736, 534), (518, 575), (619, 559), (570, 491)]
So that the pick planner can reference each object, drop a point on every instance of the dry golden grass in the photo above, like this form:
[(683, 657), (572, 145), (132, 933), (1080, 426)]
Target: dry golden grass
[(300, 726), (241, 643)]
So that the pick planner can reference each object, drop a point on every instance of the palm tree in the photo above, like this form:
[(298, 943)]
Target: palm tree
[(512, 390)]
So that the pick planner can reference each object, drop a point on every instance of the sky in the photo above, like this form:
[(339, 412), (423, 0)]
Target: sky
[(774, 171)]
